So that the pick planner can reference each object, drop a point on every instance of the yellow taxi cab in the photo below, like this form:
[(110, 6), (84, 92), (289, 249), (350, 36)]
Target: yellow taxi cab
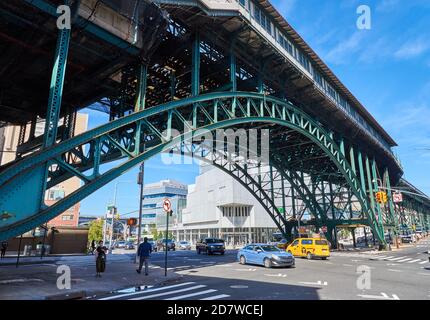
[(310, 248)]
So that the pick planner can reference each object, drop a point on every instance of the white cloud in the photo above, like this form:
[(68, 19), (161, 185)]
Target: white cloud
[(345, 48), (412, 49)]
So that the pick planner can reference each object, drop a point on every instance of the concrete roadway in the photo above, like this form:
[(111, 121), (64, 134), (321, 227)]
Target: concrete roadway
[(396, 275)]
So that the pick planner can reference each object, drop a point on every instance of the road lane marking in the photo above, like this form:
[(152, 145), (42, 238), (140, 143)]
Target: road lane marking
[(413, 261), (144, 291), (279, 275), (404, 260), (383, 296), (192, 294), (318, 283), (347, 265), (395, 259), (169, 292), (424, 274), (239, 286), (246, 269), (19, 280), (220, 296), (394, 270)]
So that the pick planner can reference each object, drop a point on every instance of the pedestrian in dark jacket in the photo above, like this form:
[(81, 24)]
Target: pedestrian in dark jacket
[(144, 252), (4, 245), (100, 259)]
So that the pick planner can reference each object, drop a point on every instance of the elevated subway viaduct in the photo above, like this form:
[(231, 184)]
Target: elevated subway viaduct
[(160, 66)]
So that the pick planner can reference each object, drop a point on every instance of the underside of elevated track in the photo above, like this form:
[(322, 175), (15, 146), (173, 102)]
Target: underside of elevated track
[(158, 67)]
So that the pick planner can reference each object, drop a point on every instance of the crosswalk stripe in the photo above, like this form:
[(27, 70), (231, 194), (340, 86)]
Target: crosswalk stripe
[(404, 260), (220, 296), (380, 257), (386, 258), (149, 290), (416, 260), (169, 292), (423, 262), (192, 294), (394, 259)]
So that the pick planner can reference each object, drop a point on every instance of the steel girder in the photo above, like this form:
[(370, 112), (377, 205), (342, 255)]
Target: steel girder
[(209, 111)]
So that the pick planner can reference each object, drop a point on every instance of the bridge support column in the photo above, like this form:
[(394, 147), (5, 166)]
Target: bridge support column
[(372, 188), (394, 221), (141, 88), (233, 69), (195, 68), (57, 85)]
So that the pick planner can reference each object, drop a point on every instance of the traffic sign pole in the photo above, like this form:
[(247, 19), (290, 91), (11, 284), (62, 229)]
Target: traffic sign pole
[(167, 206)]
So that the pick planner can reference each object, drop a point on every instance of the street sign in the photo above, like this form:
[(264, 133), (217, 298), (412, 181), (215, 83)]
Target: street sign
[(397, 197), (167, 205)]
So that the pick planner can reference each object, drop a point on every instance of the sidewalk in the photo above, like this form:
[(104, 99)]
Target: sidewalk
[(39, 281)]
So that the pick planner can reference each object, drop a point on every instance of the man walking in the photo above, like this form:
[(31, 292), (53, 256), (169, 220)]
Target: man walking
[(3, 249), (144, 252)]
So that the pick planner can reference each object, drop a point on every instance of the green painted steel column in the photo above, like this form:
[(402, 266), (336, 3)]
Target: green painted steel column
[(293, 207), (233, 71), (361, 168), (376, 189), (141, 88), (390, 202), (57, 85), (140, 103), (370, 187), (352, 159), (172, 85), (283, 196), (342, 146), (195, 68)]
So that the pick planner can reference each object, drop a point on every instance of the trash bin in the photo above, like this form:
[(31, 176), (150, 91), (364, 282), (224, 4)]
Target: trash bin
[(27, 250)]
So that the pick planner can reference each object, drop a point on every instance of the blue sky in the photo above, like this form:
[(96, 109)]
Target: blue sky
[(387, 68)]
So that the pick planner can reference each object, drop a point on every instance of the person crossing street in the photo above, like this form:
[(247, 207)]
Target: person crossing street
[(144, 252)]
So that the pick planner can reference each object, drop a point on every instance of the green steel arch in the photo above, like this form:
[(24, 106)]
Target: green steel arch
[(240, 173), (26, 180)]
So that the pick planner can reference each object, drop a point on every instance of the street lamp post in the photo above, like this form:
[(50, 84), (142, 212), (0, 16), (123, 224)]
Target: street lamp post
[(113, 214)]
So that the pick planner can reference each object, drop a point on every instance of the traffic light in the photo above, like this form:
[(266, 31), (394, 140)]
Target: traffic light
[(131, 221), (381, 197), (384, 197)]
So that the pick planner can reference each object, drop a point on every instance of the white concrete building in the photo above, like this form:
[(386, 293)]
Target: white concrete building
[(219, 206)]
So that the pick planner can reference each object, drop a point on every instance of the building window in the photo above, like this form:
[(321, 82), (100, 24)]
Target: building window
[(67, 217)]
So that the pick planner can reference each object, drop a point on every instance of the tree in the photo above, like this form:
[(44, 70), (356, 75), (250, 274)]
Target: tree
[(96, 230)]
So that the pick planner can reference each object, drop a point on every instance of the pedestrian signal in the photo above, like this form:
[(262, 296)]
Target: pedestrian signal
[(132, 222)]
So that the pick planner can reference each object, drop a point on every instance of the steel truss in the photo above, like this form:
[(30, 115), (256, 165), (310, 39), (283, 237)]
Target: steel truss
[(117, 139)]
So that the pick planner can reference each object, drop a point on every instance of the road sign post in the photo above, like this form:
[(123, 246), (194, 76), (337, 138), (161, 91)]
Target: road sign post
[(167, 206)]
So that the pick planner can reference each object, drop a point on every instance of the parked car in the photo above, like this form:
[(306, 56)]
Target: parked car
[(310, 248), (283, 244), (154, 245), (184, 245), (266, 255), (406, 238), (129, 245), (210, 246), (170, 244), (120, 244)]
